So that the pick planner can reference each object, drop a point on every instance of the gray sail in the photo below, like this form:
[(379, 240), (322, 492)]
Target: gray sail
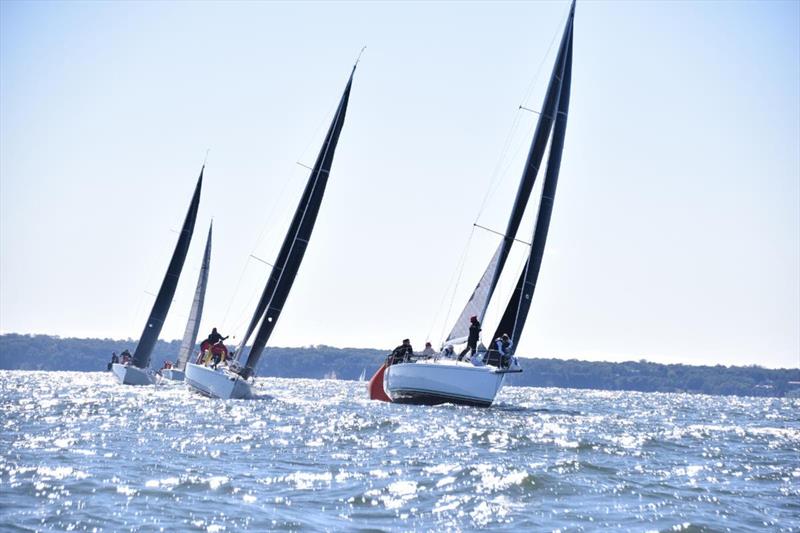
[(477, 303), (193, 324), (152, 328)]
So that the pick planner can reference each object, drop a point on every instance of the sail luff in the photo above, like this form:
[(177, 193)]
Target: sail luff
[(516, 313), (193, 324), (296, 241), (476, 305), (152, 328), (534, 159)]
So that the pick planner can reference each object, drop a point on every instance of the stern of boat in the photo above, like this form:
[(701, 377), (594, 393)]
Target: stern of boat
[(217, 383)]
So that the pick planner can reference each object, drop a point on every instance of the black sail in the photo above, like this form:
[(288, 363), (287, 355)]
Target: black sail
[(517, 310), (535, 153), (152, 328), (296, 241)]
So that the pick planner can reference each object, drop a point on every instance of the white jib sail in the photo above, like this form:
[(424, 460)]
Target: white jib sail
[(477, 304), (193, 324)]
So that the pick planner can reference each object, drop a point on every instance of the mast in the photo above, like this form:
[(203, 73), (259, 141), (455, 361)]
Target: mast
[(295, 243), (534, 160), (152, 328), (193, 324), (516, 312)]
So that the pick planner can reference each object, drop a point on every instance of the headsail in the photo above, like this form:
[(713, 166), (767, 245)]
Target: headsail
[(193, 324), (152, 328), (294, 245), (534, 160), (516, 312), (477, 303)]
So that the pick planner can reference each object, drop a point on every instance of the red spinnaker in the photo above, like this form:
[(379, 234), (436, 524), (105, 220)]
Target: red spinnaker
[(376, 391)]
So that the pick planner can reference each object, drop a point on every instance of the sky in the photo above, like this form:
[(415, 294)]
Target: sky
[(675, 235)]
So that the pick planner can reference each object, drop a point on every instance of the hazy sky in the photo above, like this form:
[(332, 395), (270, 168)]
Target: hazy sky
[(676, 230)]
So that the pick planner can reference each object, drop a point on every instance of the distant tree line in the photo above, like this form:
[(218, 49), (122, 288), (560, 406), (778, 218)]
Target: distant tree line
[(45, 352)]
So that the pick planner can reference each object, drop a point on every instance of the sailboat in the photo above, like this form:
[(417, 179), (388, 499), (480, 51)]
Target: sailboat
[(137, 371), (447, 380), (232, 379), (176, 372)]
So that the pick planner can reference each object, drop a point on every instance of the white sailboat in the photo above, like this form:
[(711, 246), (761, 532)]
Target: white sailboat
[(137, 371), (442, 379), (232, 379), (176, 372)]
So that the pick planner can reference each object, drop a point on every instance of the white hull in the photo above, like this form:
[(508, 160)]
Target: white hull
[(217, 383), (173, 373), (131, 375), (443, 381)]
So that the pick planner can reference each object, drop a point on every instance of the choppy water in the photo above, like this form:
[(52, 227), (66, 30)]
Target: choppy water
[(79, 452)]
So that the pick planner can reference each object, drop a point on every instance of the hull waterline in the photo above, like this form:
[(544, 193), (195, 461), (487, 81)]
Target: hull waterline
[(131, 375), (217, 383)]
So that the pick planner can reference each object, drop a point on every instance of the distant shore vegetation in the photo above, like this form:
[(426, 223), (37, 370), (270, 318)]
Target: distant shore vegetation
[(46, 352)]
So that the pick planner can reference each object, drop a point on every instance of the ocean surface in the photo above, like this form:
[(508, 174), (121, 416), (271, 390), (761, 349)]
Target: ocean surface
[(81, 453)]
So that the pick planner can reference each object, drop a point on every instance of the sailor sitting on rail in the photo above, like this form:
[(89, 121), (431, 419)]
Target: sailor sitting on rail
[(503, 345), (479, 357), (428, 351)]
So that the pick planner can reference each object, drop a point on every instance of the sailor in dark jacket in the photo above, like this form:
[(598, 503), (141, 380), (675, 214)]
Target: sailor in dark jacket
[(472, 340), (401, 353), (215, 337)]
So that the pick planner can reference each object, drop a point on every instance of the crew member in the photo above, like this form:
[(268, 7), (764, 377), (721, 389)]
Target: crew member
[(472, 340), (503, 345), (215, 337), (401, 353)]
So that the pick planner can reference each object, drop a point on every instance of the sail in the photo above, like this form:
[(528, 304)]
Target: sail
[(193, 324), (516, 312), (477, 303), (534, 160), (294, 245), (152, 328)]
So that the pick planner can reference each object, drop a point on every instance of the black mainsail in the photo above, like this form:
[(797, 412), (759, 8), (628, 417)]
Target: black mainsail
[(553, 119), (535, 154), (152, 328), (295, 243), (516, 311), (196, 313)]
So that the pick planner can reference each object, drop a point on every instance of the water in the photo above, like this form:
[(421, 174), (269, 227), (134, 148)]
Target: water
[(80, 452)]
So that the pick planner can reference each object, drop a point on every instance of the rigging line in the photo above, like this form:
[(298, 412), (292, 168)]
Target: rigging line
[(323, 121), (529, 109), (501, 234), (321, 158), (496, 173), (205, 160), (268, 226), (460, 270), (493, 177), (261, 260), (242, 313)]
